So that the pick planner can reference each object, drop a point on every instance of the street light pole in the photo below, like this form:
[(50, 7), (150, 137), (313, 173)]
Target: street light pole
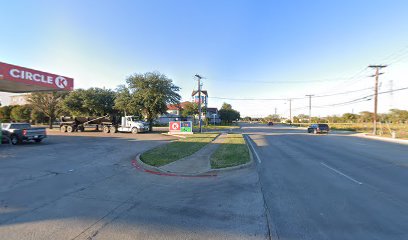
[(199, 101)]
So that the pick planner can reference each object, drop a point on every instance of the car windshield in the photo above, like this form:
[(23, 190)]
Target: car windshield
[(19, 126)]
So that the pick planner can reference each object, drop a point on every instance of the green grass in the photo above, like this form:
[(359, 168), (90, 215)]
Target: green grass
[(176, 150), (232, 152)]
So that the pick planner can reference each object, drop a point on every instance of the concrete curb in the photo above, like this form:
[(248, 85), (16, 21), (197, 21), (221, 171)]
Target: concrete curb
[(384, 139)]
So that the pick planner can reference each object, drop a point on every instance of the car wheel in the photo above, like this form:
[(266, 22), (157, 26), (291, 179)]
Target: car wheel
[(135, 131), (14, 140), (37, 140)]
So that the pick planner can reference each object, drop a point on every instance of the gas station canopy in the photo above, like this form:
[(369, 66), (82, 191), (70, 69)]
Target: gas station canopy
[(16, 79)]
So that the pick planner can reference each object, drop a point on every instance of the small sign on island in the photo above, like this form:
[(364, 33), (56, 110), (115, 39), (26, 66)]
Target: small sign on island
[(181, 127)]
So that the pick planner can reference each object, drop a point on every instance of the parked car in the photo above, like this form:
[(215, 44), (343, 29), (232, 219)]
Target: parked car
[(318, 128), (270, 123), (19, 132)]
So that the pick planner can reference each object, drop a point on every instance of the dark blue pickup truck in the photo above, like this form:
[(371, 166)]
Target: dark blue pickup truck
[(16, 133), (318, 128)]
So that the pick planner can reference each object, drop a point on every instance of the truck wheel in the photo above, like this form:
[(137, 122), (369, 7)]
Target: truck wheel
[(135, 131), (63, 128), (70, 129), (113, 129), (81, 128), (105, 129), (14, 140)]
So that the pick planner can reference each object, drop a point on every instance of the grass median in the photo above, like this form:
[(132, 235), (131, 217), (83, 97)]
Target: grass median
[(176, 150), (232, 152)]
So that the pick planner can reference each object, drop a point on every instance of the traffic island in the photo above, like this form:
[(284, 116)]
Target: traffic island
[(176, 150), (219, 153), (232, 152)]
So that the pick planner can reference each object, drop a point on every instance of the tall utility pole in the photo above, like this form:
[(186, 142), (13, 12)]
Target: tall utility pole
[(199, 101), (310, 107), (377, 73), (290, 110)]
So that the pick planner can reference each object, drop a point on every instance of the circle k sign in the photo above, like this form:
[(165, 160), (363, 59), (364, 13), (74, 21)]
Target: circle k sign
[(174, 126)]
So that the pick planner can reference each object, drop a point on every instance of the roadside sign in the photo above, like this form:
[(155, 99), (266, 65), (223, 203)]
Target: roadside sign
[(174, 126), (181, 127), (186, 126)]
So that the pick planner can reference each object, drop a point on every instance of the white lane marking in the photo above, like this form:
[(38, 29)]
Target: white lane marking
[(344, 175), (252, 146)]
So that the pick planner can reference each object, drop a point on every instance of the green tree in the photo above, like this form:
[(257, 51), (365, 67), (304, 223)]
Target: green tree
[(189, 109), (350, 117), (5, 112), (247, 119), (21, 113), (124, 101), (151, 92), (366, 116), (90, 102), (46, 103), (227, 114), (398, 116), (272, 118)]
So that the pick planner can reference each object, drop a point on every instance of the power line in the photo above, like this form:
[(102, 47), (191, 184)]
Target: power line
[(284, 99), (357, 100)]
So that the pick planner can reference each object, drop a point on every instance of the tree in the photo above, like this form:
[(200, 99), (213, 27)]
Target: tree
[(47, 103), (189, 109), (5, 112), (247, 119), (227, 114), (124, 101), (350, 117), (21, 113), (90, 102), (151, 92), (366, 116), (398, 116), (272, 118)]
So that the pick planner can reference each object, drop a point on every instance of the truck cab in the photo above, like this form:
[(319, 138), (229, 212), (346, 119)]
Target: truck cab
[(132, 124)]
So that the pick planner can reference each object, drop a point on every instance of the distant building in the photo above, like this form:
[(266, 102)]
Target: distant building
[(204, 97), (20, 99), (173, 114), (213, 116)]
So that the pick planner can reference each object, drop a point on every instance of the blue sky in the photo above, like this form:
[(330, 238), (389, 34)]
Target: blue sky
[(245, 49)]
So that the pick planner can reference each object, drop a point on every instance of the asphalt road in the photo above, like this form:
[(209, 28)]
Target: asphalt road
[(331, 186), (83, 186)]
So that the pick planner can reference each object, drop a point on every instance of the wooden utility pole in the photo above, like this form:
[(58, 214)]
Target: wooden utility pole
[(377, 73), (199, 101), (290, 110), (310, 107)]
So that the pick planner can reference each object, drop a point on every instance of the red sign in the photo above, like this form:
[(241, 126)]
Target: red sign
[(174, 126), (27, 76)]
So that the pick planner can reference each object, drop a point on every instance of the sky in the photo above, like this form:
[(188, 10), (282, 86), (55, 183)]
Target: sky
[(246, 49)]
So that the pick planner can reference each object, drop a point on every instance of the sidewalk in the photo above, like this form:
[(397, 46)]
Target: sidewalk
[(199, 162), (385, 139)]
